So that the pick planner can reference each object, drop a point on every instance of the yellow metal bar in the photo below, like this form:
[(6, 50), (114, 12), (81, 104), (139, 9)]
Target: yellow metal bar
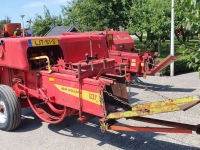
[(157, 107), (43, 57), (179, 101)]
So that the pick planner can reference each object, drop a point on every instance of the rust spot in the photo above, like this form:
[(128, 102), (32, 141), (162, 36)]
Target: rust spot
[(143, 110), (1, 109)]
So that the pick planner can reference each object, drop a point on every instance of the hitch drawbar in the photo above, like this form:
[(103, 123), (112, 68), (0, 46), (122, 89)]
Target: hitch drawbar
[(139, 110)]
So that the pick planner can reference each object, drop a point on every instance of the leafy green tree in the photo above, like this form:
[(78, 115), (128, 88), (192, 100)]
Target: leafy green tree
[(97, 14), (181, 33), (1, 23), (138, 18), (41, 25), (6, 20), (192, 21), (151, 17)]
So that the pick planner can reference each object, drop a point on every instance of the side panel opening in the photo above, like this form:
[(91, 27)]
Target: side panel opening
[(53, 52)]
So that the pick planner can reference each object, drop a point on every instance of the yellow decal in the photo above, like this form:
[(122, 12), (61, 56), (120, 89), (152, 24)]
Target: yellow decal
[(133, 64), (85, 95), (51, 79), (133, 60), (142, 64)]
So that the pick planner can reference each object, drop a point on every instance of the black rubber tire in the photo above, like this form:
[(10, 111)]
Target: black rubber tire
[(13, 108)]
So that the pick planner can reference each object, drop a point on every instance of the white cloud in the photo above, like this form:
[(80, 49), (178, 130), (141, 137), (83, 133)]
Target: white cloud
[(34, 4)]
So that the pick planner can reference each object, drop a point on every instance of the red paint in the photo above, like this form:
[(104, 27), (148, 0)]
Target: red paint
[(18, 72), (34, 83), (121, 47)]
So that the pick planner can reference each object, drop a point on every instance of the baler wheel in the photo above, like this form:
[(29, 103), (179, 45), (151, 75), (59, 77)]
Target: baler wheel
[(10, 109)]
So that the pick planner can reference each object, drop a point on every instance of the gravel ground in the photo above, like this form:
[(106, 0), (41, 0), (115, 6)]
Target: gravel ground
[(37, 135)]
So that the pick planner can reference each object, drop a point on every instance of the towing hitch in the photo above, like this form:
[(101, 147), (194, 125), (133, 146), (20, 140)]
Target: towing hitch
[(136, 111)]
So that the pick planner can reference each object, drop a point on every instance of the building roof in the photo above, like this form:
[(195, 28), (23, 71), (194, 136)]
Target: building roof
[(57, 30)]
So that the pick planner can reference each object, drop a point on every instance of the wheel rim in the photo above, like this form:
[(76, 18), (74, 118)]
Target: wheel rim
[(3, 112)]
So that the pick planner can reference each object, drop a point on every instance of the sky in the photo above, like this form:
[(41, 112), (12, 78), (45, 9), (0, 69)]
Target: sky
[(14, 8)]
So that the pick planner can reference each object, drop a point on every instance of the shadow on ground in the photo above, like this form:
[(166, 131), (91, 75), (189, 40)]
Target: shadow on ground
[(157, 87), (29, 121), (123, 140)]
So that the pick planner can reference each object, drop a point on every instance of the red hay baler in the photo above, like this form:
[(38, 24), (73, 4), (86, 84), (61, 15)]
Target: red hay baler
[(63, 76), (121, 47)]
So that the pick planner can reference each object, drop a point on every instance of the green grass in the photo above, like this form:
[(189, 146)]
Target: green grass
[(165, 48)]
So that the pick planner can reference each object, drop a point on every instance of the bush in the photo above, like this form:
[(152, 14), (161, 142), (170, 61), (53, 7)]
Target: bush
[(180, 66)]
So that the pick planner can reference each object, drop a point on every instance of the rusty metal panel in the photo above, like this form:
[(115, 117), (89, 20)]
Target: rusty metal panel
[(157, 107), (118, 90)]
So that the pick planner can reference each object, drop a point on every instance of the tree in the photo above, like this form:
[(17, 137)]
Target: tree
[(181, 33), (151, 17), (6, 20), (192, 21), (97, 14), (42, 25), (137, 19), (2, 22)]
